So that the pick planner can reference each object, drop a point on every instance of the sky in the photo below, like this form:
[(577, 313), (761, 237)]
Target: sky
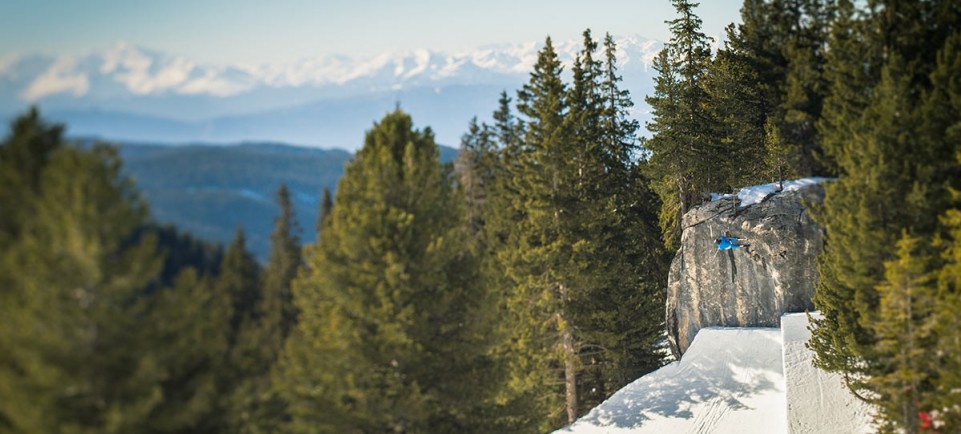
[(285, 31)]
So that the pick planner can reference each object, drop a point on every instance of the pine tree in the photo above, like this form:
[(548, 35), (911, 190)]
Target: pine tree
[(476, 165), (489, 154), (326, 206), (75, 357), (771, 69), (947, 352), (683, 155), (542, 338), (803, 26), (389, 339), (189, 328), (905, 330), (943, 125), (240, 282), (572, 239), (278, 311), (262, 409), (806, 90), (24, 154), (738, 107), (182, 250), (618, 130), (618, 309), (508, 129), (862, 212), (891, 154)]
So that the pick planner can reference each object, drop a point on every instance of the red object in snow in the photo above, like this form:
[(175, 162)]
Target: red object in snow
[(925, 420)]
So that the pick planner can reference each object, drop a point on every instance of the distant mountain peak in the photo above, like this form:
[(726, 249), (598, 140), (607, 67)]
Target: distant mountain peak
[(129, 92), (125, 68)]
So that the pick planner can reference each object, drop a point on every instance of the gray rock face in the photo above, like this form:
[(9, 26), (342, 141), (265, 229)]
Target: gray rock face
[(751, 286)]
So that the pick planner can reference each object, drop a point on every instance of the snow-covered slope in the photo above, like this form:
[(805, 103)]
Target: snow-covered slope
[(734, 380), (816, 400), (729, 381)]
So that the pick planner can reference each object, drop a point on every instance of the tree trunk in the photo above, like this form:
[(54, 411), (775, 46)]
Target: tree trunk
[(570, 378), (570, 374)]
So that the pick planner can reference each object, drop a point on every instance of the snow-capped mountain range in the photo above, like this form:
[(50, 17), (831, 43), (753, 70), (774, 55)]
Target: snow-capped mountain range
[(132, 93)]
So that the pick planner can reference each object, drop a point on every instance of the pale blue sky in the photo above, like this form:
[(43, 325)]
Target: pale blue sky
[(248, 31)]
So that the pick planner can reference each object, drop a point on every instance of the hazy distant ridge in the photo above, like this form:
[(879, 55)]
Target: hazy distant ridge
[(132, 93)]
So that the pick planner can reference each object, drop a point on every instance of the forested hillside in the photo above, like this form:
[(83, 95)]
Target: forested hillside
[(517, 287), (211, 190)]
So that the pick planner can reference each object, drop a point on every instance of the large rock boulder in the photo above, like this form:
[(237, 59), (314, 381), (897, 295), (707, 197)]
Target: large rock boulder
[(750, 287)]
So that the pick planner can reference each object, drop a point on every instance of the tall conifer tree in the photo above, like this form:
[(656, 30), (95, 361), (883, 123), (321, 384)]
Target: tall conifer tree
[(893, 174), (74, 356), (738, 109), (389, 340), (326, 205), (574, 239), (240, 282), (905, 328), (533, 257), (189, 330), (262, 409), (684, 157)]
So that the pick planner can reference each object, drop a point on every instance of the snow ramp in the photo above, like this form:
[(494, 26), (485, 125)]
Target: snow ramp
[(817, 401), (734, 380)]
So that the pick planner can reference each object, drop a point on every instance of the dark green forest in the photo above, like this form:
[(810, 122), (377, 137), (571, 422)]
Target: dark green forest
[(521, 285)]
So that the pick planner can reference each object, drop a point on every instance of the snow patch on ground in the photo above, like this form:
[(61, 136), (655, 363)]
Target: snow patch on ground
[(729, 381), (754, 194), (735, 380), (817, 401)]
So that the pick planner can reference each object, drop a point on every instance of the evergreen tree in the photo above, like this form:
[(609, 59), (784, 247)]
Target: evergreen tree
[(738, 108), (905, 330), (891, 153), (488, 155), (508, 128), (278, 310), (262, 409), (770, 87), (542, 341), (947, 352), (476, 164), (24, 155), (74, 355), (182, 250), (805, 89), (618, 131), (389, 339), (618, 309), (684, 158), (943, 124), (326, 205), (572, 239), (189, 327), (240, 282)]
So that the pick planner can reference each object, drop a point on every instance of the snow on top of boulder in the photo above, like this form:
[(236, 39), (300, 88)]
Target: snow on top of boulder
[(729, 381), (756, 193)]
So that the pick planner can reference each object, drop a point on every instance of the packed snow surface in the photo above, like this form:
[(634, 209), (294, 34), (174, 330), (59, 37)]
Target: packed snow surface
[(756, 193), (729, 381), (817, 401), (735, 380)]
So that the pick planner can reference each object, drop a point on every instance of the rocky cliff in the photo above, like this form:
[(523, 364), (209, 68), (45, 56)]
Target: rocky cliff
[(753, 286)]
